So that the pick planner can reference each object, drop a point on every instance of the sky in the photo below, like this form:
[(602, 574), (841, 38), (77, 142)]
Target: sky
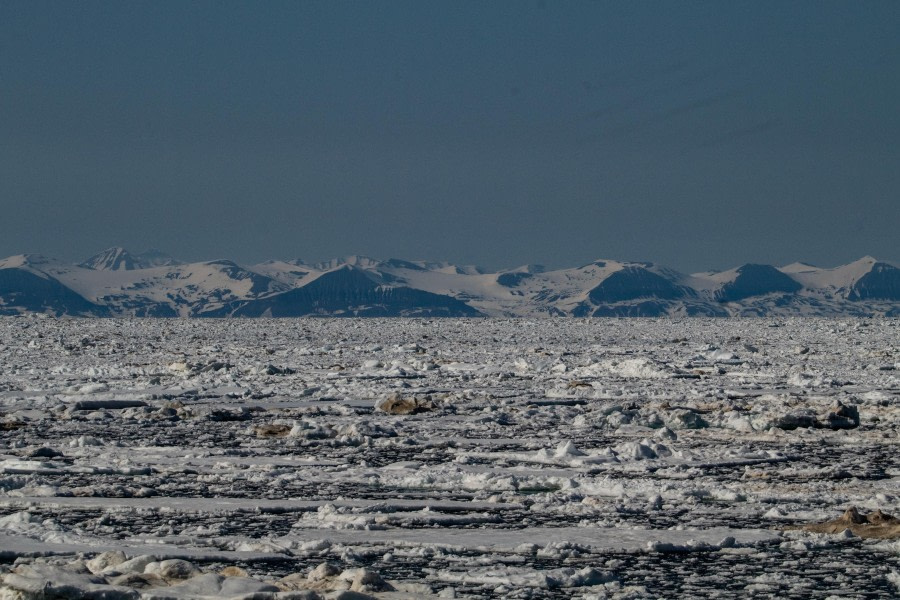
[(698, 135)]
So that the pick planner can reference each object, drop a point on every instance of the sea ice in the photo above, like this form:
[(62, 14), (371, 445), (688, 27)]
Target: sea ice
[(447, 458)]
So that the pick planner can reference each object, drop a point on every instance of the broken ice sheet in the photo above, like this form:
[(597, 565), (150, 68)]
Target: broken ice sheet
[(536, 458)]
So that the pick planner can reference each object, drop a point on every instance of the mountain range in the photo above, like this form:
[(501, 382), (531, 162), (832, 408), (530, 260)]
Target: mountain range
[(116, 282)]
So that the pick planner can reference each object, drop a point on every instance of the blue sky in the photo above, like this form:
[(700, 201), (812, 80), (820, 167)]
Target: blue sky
[(694, 134)]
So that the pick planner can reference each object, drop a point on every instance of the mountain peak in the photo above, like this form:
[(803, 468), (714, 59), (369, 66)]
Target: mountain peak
[(864, 262), (120, 259), (355, 260), (111, 259)]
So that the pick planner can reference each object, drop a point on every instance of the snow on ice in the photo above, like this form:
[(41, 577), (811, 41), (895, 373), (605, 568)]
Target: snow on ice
[(306, 458)]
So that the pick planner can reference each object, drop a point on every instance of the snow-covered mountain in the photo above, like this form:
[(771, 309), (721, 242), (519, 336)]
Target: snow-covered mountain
[(117, 283), (351, 291), (172, 291), (26, 288)]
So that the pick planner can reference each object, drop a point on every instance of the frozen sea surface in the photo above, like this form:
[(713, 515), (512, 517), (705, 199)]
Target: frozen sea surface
[(547, 458)]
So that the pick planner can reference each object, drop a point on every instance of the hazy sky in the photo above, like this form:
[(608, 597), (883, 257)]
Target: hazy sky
[(693, 134)]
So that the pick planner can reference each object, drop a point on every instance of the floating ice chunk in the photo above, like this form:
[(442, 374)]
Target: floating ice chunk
[(311, 430), (395, 404), (567, 449), (365, 581), (105, 560), (665, 434), (15, 521), (805, 380), (40, 491), (635, 451), (774, 513), (92, 388), (739, 422), (208, 584), (364, 429), (216, 586), (328, 516), (519, 577), (45, 581), (135, 565), (876, 397), (311, 547), (172, 569), (894, 578), (619, 418), (654, 421), (686, 419), (85, 441), (639, 368), (721, 356)]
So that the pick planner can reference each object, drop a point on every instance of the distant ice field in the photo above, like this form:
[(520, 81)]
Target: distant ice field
[(507, 458)]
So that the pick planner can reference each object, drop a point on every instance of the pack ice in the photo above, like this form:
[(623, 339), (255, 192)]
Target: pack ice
[(462, 458)]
